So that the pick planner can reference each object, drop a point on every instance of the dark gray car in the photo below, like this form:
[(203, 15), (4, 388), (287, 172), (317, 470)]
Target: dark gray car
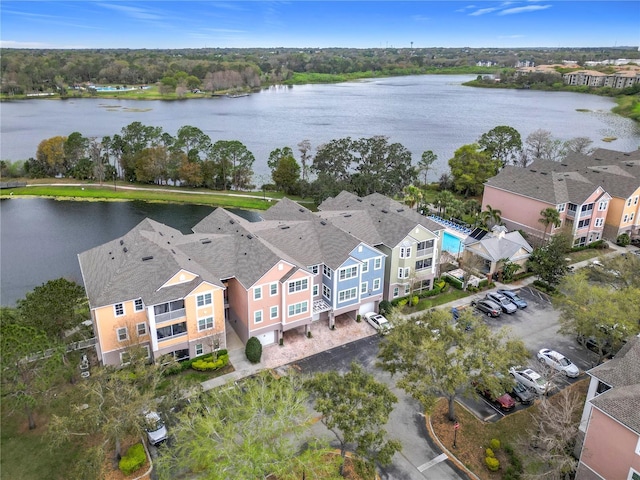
[(505, 304)]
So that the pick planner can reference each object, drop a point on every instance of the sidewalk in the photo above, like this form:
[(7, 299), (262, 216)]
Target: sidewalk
[(297, 346)]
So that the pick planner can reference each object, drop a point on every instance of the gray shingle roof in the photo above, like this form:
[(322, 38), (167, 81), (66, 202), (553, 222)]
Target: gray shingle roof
[(622, 373), (498, 247), (552, 187), (375, 219)]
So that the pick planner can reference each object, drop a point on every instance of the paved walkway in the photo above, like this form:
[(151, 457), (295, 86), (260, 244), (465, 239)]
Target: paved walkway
[(297, 346)]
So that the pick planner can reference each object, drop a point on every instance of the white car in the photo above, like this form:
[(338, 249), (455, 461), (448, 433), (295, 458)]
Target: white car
[(530, 379), (378, 322), (156, 430), (558, 362)]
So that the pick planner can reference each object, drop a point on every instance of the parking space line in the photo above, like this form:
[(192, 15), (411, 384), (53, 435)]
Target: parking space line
[(440, 458)]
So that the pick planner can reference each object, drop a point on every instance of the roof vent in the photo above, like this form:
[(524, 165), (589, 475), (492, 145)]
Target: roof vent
[(301, 209), (534, 171), (347, 215), (629, 164), (249, 236), (322, 222), (626, 154), (564, 164), (284, 227), (173, 251), (561, 179), (121, 242), (358, 199), (543, 173), (598, 159), (384, 210), (205, 241), (150, 257), (161, 234), (125, 250), (232, 221)]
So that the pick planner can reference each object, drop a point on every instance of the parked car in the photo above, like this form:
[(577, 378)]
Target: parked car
[(504, 402), (507, 305), (491, 308), (378, 322), (558, 362), (530, 379), (523, 394), (513, 296), (156, 430)]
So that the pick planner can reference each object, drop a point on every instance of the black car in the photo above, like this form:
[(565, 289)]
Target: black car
[(491, 308), (523, 394)]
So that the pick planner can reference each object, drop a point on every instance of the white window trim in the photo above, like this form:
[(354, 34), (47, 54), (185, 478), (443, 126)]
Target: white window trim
[(270, 286), (377, 261), (561, 207), (294, 283), (316, 290), (396, 292), (199, 349), (348, 273), (326, 291), (115, 310), (365, 266), (353, 294), (326, 271), (632, 471), (213, 323), (638, 447), (203, 296), (302, 312), (126, 334), (364, 287), (602, 206), (376, 284), (138, 328), (257, 293), (255, 317), (135, 306), (599, 222), (271, 315)]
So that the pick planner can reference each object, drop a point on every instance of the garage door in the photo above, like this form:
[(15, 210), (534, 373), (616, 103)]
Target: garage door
[(267, 338), (367, 307)]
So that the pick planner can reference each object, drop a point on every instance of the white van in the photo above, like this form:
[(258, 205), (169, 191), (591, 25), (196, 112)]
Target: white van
[(156, 430)]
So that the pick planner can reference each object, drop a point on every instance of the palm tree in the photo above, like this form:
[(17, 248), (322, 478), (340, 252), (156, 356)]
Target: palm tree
[(425, 163), (472, 208), (442, 201), (490, 217), (549, 216), (412, 195)]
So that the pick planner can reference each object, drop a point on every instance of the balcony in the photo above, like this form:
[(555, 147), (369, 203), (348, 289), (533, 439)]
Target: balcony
[(166, 317), (425, 252)]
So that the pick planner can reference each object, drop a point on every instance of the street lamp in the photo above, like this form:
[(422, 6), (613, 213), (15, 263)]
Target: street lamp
[(115, 175), (456, 427)]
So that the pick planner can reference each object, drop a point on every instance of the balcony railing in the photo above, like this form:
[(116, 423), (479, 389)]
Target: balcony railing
[(165, 317), (425, 252)]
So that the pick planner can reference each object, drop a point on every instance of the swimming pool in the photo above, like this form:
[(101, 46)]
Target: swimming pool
[(451, 243)]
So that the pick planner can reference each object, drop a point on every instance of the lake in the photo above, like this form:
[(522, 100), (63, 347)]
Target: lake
[(429, 112), (41, 238)]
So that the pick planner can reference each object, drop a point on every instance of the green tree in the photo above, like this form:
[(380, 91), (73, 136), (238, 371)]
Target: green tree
[(50, 155), (607, 315), (424, 165), (31, 365), (114, 402), (490, 217), (443, 201), (549, 262), (502, 144), (151, 165), (247, 431), (287, 175), (435, 357), (276, 155), (470, 168), (75, 149), (54, 307), (549, 216), (413, 196), (355, 407), (235, 162), (193, 142)]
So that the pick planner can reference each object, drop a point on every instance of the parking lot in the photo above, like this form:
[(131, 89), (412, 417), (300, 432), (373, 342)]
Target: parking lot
[(537, 326)]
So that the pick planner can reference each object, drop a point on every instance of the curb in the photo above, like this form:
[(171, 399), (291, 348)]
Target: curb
[(451, 456)]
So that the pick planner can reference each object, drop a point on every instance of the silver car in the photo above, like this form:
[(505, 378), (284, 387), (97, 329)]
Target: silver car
[(558, 362), (530, 379), (506, 305)]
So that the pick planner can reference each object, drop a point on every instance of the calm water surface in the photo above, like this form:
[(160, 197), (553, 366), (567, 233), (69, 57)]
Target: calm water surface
[(40, 239), (429, 112)]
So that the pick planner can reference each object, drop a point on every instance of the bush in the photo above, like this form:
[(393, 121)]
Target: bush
[(489, 453), (385, 307), (493, 464), (414, 300), (440, 284), (623, 239), (253, 350), (402, 302), (209, 365), (133, 460), (495, 444), (483, 283), (358, 318)]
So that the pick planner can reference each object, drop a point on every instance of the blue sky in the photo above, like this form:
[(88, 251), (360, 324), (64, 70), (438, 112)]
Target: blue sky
[(299, 23)]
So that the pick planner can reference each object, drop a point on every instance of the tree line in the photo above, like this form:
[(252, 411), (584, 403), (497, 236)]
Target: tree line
[(42, 70)]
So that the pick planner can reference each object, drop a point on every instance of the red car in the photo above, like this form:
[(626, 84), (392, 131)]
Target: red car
[(504, 402)]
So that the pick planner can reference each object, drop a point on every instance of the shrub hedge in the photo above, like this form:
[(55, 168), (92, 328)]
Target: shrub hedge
[(133, 460), (253, 350), (493, 464), (208, 364)]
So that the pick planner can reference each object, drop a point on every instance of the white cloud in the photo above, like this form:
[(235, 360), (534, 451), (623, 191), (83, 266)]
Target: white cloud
[(420, 18), (528, 8), (483, 11), (134, 12), (16, 44), (510, 36)]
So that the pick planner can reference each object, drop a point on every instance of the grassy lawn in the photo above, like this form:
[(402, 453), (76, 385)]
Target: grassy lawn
[(474, 435), (586, 254), (256, 200)]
